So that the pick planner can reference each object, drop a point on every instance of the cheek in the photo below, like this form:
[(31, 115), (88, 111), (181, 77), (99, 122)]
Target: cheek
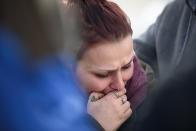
[(94, 84), (90, 83)]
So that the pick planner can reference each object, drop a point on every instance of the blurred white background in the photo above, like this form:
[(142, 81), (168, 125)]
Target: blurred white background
[(142, 13)]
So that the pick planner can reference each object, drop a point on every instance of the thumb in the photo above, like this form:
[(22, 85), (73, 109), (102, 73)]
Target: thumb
[(94, 96)]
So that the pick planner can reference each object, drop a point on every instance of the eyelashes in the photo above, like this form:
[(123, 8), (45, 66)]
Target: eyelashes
[(126, 66), (101, 75)]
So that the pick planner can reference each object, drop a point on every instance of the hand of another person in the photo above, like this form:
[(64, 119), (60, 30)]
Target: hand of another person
[(109, 110)]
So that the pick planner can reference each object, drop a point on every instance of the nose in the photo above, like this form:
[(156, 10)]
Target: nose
[(117, 82)]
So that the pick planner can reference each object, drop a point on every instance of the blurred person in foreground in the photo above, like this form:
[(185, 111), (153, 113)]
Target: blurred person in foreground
[(107, 67), (166, 43), (37, 90)]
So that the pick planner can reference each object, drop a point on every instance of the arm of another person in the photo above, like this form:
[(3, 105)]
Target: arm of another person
[(145, 48)]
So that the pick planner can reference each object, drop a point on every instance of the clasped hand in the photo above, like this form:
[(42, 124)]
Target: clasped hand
[(111, 111)]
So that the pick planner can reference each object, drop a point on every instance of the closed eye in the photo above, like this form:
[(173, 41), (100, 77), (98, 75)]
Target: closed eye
[(126, 66), (101, 75)]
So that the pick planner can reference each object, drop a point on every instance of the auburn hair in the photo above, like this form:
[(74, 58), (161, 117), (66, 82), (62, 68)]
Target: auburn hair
[(101, 21)]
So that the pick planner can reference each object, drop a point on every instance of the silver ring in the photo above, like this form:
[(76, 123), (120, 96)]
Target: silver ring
[(124, 100), (116, 93)]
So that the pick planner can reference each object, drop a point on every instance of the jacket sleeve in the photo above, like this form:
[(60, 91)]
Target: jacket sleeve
[(129, 123), (144, 47)]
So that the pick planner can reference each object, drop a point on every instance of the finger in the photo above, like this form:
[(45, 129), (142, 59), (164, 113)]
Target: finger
[(128, 113), (95, 96), (119, 93), (125, 106)]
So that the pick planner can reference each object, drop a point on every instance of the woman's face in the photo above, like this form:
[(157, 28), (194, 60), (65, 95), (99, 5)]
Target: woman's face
[(105, 67)]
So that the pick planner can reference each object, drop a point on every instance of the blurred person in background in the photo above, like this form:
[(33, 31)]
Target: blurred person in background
[(169, 47), (37, 90), (165, 45), (107, 67)]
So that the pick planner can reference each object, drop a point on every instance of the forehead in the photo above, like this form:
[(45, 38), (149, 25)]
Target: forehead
[(110, 54)]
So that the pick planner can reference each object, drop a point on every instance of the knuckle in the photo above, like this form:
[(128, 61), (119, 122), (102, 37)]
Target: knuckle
[(122, 92), (111, 95), (125, 96), (120, 116)]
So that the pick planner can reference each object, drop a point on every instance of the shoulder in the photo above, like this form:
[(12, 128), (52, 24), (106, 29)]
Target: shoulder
[(175, 6), (173, 10)]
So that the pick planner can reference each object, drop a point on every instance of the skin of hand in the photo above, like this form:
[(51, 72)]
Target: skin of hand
[(109, 110)]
